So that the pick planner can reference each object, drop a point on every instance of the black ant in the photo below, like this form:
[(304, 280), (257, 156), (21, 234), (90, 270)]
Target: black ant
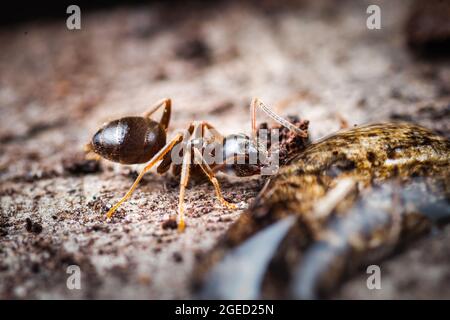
[(133, 140)]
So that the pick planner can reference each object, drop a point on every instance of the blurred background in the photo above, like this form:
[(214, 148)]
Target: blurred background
[(315, 59)]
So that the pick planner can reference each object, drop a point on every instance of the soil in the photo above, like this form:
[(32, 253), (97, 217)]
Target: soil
[(316, 60)]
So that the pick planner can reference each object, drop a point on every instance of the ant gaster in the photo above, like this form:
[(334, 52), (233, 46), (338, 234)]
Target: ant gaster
[(133, 140)]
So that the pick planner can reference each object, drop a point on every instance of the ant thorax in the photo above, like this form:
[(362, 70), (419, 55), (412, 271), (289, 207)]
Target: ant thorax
[(236, 154)]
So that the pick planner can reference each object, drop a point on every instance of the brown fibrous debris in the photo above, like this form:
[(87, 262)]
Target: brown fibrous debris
[(290, 142), (33, 227)]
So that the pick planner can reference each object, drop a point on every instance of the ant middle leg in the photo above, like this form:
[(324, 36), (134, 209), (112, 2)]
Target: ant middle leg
[(157, 157), (196, 131), (211, 176), (207, 169), (185, 170)]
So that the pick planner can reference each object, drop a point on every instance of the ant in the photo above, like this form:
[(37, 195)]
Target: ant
[(134, 140)]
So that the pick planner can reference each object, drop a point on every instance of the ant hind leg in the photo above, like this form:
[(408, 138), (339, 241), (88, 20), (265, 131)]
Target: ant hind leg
[(160, 155), (165, 118)]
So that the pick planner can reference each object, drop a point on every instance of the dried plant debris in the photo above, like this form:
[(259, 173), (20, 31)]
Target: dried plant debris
[(290, 143)]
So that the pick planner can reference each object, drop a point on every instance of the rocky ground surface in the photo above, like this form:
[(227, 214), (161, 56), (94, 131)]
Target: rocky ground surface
[(314, 59)]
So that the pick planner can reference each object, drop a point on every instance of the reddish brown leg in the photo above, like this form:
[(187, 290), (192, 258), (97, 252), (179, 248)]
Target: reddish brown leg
[(216, 134), (211, 176), (185, 170), (157, 157), (196, 129), (165, 118)]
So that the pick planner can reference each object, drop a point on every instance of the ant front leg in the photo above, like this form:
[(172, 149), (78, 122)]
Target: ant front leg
[(196, 131), (211, 176), (200, 160), (89, 153)]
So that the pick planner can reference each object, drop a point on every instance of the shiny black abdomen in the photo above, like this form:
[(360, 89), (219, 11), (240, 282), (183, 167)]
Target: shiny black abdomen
[(129, 140)]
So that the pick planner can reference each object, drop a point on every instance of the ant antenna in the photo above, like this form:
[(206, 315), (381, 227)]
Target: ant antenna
[(285, 123)]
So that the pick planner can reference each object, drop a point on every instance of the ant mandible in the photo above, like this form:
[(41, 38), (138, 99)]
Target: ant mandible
[(134, 140)]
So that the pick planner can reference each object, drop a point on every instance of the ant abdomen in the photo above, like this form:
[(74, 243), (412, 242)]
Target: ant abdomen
[(129, 140)]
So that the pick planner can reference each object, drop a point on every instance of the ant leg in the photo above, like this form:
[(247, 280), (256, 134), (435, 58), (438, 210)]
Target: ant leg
[(164, 166), (152, 162), (210, 174), (256, 103), (185, 170), (196, 129), (206, 168), (217, 135), (165, 118)]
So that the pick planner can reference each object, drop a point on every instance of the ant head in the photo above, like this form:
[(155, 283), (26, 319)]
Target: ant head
[(242, 155)]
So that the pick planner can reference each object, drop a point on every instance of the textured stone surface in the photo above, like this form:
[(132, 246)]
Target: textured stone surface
[(317, 60)]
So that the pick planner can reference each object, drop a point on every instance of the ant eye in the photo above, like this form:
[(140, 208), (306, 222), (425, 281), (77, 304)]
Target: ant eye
[(241, 155)]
